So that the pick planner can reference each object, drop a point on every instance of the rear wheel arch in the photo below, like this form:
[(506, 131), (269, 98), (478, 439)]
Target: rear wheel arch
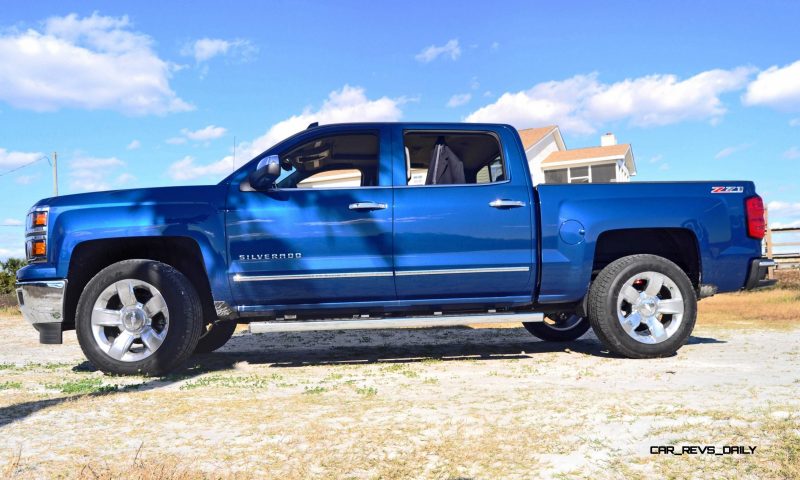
[(678, 245)]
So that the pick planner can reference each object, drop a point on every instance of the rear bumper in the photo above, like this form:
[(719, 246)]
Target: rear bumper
[(759, 270), (42, 305)]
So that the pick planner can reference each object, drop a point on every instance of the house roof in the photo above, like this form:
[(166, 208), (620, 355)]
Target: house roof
[(532, 136), (592, 154), (588, 153)]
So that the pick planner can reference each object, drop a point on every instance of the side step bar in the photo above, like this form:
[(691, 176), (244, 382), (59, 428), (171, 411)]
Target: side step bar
[(399, 322)]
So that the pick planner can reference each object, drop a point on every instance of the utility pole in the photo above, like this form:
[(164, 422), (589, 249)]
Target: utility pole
[(55, 174)]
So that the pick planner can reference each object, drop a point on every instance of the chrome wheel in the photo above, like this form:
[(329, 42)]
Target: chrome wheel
[(130, 320), (650, 307)]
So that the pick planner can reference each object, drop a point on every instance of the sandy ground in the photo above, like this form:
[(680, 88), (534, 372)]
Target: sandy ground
[(428, 403)]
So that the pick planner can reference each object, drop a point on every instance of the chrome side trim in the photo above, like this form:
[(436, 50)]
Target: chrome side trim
[(42, 301), (309, 276), (404, 273), (403, 322), (460, 271)]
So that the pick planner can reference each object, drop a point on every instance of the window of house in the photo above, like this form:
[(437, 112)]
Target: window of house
[(579, 175), (469, 158), (490, 173), (589, 174), (336, 161), (604, 173), (560, 175)]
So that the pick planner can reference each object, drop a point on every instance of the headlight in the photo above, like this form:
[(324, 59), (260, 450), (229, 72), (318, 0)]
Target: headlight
[(36, 234)]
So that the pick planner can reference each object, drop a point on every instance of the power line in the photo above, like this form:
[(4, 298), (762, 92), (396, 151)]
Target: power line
[(8, 172)]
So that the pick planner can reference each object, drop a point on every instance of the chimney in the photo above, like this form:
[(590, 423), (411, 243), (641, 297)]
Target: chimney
[(608, 139)]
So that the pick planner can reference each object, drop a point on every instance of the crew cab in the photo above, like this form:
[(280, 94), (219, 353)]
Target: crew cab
[(384, 225)]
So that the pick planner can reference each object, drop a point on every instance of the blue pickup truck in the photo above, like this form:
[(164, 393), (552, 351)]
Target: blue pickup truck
[(384, 225)]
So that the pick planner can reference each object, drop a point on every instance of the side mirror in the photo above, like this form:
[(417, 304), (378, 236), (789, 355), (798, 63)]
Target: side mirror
[(266, 173)]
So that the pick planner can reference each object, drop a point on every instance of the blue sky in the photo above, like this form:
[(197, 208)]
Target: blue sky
[(136, 94)]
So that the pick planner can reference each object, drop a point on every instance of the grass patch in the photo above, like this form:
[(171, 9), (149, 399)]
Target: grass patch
[(402, 369), (788, 278), (250, 382), (10, 385), (82, 386), (9, 311), (367, 391), (775, 309), (314, 390)]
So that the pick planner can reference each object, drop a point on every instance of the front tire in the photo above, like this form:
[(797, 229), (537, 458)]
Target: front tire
[(559, 327), (138, 317), (642, 306)]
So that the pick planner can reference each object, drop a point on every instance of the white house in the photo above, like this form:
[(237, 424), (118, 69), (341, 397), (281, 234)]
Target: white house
[(551, 162)]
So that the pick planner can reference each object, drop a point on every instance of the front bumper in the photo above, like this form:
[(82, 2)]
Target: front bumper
[(758, 277), (42, 305)]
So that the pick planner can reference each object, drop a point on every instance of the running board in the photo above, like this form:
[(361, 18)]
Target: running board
[(400, 322)]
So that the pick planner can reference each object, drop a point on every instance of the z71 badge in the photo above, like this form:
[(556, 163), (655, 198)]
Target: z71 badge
[(727, 189)]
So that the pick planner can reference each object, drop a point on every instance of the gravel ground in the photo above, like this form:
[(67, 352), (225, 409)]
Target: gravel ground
[(427, 403)]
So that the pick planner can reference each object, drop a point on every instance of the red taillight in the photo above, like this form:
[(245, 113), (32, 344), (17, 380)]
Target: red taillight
[(756, 226)]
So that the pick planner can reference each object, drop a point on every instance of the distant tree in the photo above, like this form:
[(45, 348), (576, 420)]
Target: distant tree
[(8, 274)]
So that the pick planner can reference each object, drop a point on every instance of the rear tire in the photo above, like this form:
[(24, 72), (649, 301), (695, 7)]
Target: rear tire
[(138, 317), (642, 306), (214, 336), (559, 327)]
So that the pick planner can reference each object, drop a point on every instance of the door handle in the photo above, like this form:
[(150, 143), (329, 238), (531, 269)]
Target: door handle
[(368, 206), (506, 204)]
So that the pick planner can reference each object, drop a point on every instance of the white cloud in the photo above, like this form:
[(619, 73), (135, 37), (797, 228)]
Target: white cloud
[(450, 49), (459, 99), (579, 104), (792, 153), (777, 87), (9, 160), (210, 132), (26, 179), (350, 104), (795, 122), (6, 253), (90, 63), (125, 178), (495, 45), (728, 151), (187, 169), (656, 158), (783, 209), (206, 134), (205, 49), (134, 145), (12, 222), (87, 174)]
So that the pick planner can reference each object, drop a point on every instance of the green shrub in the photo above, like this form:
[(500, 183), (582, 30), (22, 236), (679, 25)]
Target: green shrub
[(8, 274)]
